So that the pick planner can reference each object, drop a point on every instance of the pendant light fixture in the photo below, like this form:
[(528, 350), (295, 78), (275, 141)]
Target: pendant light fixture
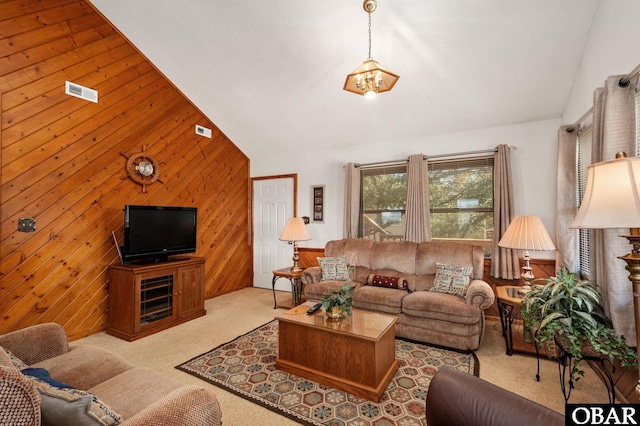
[(370, 78)]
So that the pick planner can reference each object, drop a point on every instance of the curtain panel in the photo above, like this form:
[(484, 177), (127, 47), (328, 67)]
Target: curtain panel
[(504, 262), (417, 224), (567, 240), (614, 130), (351, 201)]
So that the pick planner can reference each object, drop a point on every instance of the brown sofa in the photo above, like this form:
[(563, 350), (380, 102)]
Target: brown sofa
[(426, 316), (456, 398), (138, 395)]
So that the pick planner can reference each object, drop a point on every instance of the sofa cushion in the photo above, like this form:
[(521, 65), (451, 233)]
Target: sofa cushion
[(386, 300), (134, 390), (440, 306), (333, 268), (387, 281), (318, 290), (85, 366), (452, 279)]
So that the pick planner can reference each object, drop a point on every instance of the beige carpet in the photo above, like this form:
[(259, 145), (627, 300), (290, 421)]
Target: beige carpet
[(233, 314)]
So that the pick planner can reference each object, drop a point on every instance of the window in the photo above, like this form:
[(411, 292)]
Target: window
[(585, 138), (460, 198), (383, 201)]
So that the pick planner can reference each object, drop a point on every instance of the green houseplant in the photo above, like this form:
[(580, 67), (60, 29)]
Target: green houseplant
[(567, 311), (339, 301)]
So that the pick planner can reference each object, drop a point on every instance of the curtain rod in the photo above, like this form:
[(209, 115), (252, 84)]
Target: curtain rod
[(623, 82), (429, 157)]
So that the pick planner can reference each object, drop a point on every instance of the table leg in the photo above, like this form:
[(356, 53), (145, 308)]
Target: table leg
[(506, 320), (273, 289)]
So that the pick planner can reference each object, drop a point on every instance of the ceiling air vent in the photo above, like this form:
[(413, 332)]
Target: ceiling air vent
[(203, 131), (81, 92)]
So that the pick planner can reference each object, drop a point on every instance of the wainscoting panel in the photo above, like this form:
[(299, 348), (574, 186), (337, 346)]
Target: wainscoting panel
[(63, 162)]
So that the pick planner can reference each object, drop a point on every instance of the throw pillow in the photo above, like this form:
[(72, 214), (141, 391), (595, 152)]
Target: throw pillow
[(334, 268), (388, 282), (61, 407), (452, 279), (17, 362)]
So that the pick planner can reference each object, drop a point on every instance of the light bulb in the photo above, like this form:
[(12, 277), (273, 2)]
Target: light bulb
[(370, 94)]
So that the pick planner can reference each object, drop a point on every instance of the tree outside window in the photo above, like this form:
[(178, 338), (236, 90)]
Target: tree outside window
[(460, 198)]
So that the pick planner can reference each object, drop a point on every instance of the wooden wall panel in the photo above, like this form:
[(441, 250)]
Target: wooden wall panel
[(62, 161)]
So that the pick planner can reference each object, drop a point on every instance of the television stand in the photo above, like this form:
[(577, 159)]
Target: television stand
[(147, 298)]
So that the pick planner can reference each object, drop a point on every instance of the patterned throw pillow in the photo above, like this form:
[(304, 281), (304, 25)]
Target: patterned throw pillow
[(17, 362), (388, 282), (452, 279), (73, 407), (334, 268)]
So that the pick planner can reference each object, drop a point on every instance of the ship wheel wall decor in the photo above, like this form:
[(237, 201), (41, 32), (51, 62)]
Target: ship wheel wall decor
[(142, 168)]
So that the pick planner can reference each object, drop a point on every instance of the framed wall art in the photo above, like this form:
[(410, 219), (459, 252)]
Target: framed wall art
[(317, 208)]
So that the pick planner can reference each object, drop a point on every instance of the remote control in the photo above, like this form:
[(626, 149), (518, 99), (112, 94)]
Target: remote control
[(314, 308)]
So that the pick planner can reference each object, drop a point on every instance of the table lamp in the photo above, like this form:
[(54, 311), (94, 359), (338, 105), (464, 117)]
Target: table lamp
[(294, 231), (527, 233), (611, 200)]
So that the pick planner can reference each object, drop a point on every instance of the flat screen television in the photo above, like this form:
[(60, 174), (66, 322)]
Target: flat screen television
[(153, 233)]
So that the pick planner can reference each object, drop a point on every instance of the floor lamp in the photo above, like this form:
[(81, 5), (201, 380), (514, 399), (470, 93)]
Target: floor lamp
[(294, 231), (612, 200)]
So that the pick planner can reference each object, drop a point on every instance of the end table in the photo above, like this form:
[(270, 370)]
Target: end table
[(296, 285), (509, 304)]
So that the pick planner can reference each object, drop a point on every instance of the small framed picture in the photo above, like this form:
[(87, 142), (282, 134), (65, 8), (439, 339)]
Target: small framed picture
[(317, 207)]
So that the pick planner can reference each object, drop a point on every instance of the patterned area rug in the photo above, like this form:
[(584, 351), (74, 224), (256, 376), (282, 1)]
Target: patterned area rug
[(246, 367)]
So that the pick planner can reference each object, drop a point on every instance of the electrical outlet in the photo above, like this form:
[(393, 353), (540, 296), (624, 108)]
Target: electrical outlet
[(26, 224)]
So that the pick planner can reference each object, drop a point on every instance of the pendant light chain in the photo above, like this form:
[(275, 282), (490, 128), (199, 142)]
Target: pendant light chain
[(370, 36)]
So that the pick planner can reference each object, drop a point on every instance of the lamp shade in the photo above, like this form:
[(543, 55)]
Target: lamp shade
[(611, 197), (295, 230), (527, 233), (370, 76)]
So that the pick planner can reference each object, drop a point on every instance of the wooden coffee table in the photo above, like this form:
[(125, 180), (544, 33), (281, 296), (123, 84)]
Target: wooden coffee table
[(356, 355)]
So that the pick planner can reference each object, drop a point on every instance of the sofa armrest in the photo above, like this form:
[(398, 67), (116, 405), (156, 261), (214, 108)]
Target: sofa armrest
[(19, 399), (460, 399), (480, 294), (311, 275), (186, 406), (36, 343)]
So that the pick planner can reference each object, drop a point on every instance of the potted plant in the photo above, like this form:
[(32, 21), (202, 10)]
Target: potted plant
[(338, 302), (566, 310)]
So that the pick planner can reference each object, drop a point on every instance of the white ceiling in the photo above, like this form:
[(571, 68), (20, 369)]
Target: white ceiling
[(270, 73)]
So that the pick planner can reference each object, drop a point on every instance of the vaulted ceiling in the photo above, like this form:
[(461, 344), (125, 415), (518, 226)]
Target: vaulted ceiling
[(270, 73)]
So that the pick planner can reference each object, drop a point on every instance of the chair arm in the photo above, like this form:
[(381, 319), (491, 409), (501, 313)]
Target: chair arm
[(186, 406), (480, 294), (460, 399), (311, 275), (36, 343)]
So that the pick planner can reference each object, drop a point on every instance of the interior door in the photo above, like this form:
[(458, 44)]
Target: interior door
[(273, 201)]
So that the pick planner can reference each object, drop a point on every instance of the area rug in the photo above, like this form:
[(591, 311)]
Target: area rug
[(246, 367)]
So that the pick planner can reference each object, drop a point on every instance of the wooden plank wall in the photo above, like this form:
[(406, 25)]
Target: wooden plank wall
[(62, 163)]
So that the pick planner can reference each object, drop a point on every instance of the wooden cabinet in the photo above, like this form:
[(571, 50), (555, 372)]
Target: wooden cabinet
[(145, 299)]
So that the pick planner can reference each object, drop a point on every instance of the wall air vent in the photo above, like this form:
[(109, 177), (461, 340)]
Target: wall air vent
[(81, 92), (203, 131)]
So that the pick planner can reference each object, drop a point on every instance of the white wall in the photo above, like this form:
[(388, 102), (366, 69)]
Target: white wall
[(611, 49), (533, 164)]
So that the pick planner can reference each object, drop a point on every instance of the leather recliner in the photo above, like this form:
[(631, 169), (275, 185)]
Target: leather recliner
[(459, 399)]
